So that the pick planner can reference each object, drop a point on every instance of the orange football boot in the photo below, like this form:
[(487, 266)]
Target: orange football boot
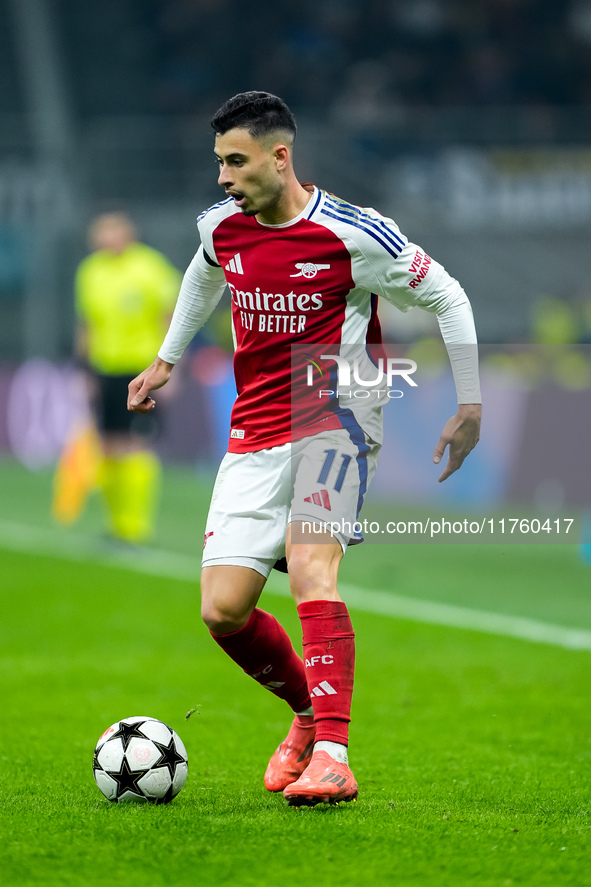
[(293, 755), (324, 781)]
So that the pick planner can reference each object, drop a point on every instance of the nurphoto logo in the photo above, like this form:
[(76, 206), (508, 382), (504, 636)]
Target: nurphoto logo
[(363, 374)]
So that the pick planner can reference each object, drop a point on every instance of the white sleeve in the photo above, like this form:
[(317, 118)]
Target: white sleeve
[(406, 276), (201, 290), (456, 322)]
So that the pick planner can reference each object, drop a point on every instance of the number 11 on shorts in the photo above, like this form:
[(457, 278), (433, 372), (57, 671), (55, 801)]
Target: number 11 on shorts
[(327, 465)]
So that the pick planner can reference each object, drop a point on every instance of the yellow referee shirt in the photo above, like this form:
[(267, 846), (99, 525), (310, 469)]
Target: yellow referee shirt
[(125, 300)]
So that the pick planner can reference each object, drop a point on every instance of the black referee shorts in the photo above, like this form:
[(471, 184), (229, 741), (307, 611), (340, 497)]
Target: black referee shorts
[(113, 417)]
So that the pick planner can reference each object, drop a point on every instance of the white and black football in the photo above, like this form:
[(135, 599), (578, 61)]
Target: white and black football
[(140, 760)]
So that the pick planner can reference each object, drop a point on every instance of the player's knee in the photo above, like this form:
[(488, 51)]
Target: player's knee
[(229, 595), (221, 618)]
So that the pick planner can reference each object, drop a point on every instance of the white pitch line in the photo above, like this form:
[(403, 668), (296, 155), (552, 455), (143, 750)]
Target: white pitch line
[(77, 547), (416, 610), (168, 565)]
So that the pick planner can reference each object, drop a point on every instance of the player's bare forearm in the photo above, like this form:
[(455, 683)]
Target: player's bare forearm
[(154, 377), (461, 433)]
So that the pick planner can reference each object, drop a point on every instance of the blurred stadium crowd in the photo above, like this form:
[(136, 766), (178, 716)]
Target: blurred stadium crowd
[(183, 56)]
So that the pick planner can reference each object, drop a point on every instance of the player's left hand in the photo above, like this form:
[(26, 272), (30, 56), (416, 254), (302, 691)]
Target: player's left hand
[(462, 433)]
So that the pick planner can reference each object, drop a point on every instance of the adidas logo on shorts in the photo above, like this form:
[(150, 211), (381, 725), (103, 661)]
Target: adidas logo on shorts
[(321, 498)]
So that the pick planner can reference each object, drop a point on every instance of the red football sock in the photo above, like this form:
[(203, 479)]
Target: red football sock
[(263, 649), (329, 658)]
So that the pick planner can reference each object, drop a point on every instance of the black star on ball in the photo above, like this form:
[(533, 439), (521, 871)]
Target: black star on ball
[(169, 756), (127, 732), (127, 780)]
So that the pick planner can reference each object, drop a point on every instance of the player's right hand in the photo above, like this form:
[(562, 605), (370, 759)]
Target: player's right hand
[(157, 375)]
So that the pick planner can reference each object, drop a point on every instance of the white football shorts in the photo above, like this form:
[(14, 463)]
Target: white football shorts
[(321, 479)]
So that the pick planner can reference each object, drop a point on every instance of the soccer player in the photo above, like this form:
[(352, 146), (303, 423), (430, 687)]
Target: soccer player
[(125, 294), (302, 267)]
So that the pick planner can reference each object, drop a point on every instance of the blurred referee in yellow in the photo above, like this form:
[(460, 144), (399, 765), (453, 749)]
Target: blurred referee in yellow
[(125, 294)]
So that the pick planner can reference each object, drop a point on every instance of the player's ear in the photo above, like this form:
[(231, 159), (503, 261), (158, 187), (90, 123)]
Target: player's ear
[(282, 155)]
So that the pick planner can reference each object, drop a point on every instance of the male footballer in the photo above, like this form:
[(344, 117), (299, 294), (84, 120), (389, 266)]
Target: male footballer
[(303, 268)]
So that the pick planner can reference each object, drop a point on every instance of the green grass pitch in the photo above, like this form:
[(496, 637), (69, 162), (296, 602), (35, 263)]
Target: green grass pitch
[(471, 750)]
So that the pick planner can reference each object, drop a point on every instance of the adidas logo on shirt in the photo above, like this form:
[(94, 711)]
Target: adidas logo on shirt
[(323, 689), (235, 265)]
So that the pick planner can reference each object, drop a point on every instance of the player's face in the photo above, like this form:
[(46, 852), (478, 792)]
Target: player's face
[(250, 170)]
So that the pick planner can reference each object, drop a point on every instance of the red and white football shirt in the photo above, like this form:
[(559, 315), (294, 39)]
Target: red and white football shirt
[(310, 281)]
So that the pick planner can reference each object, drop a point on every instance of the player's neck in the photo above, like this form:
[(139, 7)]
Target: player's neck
[(293, 201)]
